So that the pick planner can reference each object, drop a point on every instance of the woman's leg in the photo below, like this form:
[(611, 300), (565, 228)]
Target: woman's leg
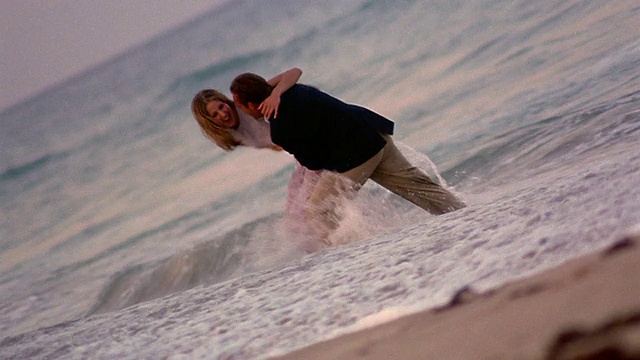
[(322, 207), (331, 189), (399, 176)]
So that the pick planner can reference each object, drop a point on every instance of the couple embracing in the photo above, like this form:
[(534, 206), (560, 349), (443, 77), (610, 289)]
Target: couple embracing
[(337, 146)]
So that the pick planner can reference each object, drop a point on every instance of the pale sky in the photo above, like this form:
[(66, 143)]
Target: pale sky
[(43, 42)]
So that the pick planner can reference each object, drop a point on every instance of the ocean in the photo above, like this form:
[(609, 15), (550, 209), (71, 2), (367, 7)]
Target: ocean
[(126, 234)]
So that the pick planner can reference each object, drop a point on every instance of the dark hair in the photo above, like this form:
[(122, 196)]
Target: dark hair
[(250, 88)]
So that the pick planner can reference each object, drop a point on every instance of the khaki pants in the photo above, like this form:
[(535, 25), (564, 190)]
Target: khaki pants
[(390, 169)]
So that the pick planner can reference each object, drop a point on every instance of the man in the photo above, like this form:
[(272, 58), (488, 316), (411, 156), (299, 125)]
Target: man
[(324, 133)]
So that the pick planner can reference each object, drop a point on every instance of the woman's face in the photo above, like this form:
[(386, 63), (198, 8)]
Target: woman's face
[(222, 114)]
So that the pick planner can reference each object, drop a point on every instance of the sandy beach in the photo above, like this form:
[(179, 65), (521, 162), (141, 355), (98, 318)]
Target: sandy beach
[(587, 308)]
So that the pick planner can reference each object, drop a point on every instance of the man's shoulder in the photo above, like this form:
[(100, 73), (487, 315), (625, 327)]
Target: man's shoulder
[(297, 94), (305, 89), (305, 93)]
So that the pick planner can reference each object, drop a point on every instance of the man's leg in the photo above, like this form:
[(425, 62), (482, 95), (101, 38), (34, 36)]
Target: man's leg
[(399, 176), (360, 174), (322, 207)]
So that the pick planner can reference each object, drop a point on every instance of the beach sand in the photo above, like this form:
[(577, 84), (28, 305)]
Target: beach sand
[(587, 308)]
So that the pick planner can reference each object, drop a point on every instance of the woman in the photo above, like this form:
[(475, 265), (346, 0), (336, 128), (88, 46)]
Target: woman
[(228, 127)]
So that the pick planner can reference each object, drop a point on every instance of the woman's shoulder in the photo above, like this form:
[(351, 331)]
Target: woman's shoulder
[(252, 132)]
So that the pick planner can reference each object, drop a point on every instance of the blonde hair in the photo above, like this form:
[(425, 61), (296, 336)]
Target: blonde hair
[(216, 133)]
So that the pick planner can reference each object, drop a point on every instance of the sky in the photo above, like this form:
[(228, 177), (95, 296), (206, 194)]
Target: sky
[(43, 42)]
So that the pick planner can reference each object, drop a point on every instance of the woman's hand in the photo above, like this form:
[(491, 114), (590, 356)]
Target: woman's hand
[(270, 106), (281, 83)]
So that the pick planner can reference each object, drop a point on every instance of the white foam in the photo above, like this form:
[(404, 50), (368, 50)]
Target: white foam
[(366, 283)]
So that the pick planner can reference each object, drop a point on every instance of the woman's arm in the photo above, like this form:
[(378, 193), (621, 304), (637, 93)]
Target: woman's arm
[(281, 83)]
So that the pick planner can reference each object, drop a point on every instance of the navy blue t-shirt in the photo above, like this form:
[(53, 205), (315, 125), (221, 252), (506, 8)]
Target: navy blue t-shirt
[(324, 133)]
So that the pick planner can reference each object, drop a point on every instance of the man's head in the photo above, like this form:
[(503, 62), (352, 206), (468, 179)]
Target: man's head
[(249, 91)]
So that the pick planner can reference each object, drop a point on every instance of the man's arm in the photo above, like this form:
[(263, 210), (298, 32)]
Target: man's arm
[(281, 83)]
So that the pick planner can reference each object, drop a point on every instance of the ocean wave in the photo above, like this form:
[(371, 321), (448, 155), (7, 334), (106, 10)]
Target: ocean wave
[(550, 140), (18, 171), (205, 76), (207, 263)]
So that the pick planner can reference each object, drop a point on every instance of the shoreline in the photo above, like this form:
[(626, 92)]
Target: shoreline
[(586, 308)]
